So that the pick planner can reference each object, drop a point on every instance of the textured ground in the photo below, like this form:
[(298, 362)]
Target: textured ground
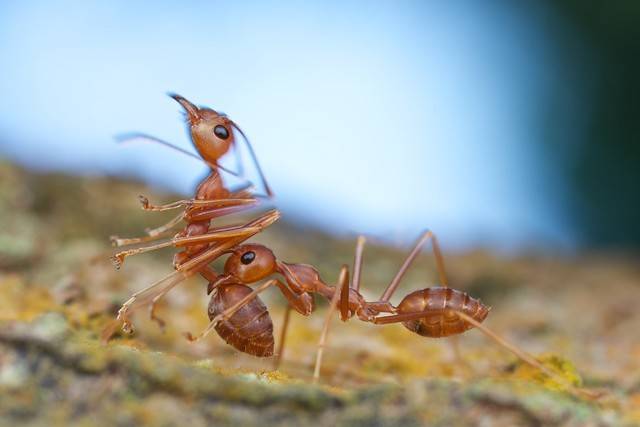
[(58, 290)]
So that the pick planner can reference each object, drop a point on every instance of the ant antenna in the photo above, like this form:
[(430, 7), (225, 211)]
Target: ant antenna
[(130, 137), (255, 160), (239, 164)]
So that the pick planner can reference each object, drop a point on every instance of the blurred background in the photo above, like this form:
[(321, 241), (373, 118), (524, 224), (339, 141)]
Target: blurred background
[(509, 128), (501, 125)]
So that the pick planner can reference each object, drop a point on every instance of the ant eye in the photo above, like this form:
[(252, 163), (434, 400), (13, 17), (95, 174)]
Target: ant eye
[(247, 257), (221, 132)]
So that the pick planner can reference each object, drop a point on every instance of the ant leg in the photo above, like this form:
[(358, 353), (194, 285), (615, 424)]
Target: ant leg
[(412, 255), (230, 311), (210, 275), (302, 302), (212, 236), (207, 272), (127, 241), (152, 310), (344, 293), (223, 207), (521, 354), (184, 271), (357, 263), (147, 296), (283, 336), (377, 306), (213, 252), (343, 282), (194, 203), (441, 272), (152, 233), (211, 213), (526, 357)]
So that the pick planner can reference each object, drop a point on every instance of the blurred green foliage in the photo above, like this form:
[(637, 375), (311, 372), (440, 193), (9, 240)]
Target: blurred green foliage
[(603, 168)]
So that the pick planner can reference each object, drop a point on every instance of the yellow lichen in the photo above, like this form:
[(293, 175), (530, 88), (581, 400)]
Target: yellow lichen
[(557, 364), (19, 301)]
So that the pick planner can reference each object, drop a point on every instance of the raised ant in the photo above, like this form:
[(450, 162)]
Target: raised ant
[(239, 316), (212, 134)]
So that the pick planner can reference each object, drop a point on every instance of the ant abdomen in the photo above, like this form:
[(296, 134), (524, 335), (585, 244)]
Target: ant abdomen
[(249, 329), (443, 302)]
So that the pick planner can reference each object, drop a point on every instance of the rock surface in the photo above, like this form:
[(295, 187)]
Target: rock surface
[(58, 291)]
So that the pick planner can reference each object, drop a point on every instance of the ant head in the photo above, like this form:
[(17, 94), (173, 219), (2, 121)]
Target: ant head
[(249, 263), (211, 131)]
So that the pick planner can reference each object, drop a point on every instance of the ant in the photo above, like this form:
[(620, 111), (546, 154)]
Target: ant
[(240, 317), (212, 134), (235, 310)]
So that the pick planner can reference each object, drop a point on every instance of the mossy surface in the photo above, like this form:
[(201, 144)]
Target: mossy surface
[(58, 291)]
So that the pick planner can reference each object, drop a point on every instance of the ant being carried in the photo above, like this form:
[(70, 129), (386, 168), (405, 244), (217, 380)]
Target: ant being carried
[(237, 313), (212, 134)]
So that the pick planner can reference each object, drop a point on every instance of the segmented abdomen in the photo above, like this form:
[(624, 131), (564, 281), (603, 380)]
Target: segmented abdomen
[(249, 329), (442, 321)]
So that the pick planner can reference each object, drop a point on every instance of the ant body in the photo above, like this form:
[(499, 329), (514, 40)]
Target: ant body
[(212, 134), (239, 316)]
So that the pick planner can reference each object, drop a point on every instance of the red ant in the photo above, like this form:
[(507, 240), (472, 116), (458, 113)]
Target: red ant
[(212, 134), (235, 310), (242, 320)]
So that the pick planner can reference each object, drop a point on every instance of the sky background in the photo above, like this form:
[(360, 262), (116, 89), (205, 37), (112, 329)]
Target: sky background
[(381, 118)]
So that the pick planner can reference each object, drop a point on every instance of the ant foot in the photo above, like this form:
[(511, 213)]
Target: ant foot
[(127, 327), (144, 202), (189, 337), (161, 323), (117, 260)]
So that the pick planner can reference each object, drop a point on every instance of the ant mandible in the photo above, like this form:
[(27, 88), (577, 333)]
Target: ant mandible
[(212, 134)]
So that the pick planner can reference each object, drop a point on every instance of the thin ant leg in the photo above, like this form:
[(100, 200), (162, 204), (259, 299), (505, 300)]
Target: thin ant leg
[(344, 294), (184, 271), (283, 336), (210, 275), (152, 233), (230, 311), (343, 282), (207, 272), (199, 215), (521, 354), (357, 263), (194, 203), (152, 310), (386, 296), (127, 241), (212, 236), (147, 295), (226, 207), (527, 357), (302, 303), (355, 284), (242, 191)]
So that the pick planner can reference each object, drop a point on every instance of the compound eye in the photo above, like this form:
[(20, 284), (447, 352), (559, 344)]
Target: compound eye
[(248, 257), (221, 132)]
